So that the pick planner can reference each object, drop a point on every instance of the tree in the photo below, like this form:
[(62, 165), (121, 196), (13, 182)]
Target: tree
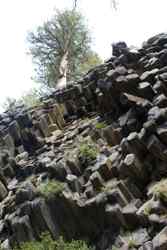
[(91, 61), (9, 104), (31, 98), (60, 47)]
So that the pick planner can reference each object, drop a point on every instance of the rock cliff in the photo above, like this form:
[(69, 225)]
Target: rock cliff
[(91, 161)]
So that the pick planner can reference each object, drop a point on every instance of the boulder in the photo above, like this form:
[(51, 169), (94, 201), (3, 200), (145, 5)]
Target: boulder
[(160, 240)]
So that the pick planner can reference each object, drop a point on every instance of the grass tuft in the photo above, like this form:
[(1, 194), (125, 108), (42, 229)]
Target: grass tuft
[(50, 188)]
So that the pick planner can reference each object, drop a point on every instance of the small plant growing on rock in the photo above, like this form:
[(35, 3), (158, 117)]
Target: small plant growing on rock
[(159, 190), (109, 187), (131, 242), (88, 151), (47, 243), (50, 188), (100, 125)]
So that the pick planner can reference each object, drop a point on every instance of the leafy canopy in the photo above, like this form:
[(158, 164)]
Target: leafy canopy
[(65, 32)]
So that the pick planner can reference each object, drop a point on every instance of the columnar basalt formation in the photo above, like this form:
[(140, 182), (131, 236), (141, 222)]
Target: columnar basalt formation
[(90, 162)]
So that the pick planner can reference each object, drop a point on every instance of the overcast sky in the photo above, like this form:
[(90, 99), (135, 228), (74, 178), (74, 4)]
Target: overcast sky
[(134, 22)]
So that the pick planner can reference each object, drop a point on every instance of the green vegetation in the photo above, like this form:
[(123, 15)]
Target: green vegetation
[(114, 248), (47, 243), (50, 188), (100, 125), (88, 151), (131, 242), (147, 210), (61, 48), (107, 188), (159, 190), (31, 98), (129, 238)]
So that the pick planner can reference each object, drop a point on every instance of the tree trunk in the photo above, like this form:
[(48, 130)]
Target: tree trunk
[(62, 81)]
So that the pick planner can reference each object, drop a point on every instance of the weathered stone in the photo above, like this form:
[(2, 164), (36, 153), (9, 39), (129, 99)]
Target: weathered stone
[(6, 245), (147, 246), (160, 240), (104, 167), (41, 219), (115, 217), (96, 180), (43, 125), (57, 170), (10, 144), (53, 127), (146, 91), (112, 136), (130, 215), (157, 148), (161, 101), (123, 188), (22, 229), (133, 80), (135, 166), (160, 88), (14, 131), (23, 156), (149, 76), (116, 196), (135, 145), (73, 162), (74, 183), (26, 192)]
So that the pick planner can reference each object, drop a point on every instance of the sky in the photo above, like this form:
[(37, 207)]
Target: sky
[(134, 21)]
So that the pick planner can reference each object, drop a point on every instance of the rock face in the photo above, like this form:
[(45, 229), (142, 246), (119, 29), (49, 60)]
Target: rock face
[(90, 162)]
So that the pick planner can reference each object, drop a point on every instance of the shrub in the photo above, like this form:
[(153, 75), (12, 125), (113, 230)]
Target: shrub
[(88, 151), (50, 188), (47, 243)]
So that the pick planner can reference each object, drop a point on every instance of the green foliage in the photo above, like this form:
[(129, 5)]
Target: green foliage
[(50, 188), (100, 125), (109, 187), (130, 239), (28, 99), (88, 151), (159, 190), (91, 60), (31, 98), (131, 242), (65, 31), (147, 209), (9, 104), (47, 243), (115, 248)]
